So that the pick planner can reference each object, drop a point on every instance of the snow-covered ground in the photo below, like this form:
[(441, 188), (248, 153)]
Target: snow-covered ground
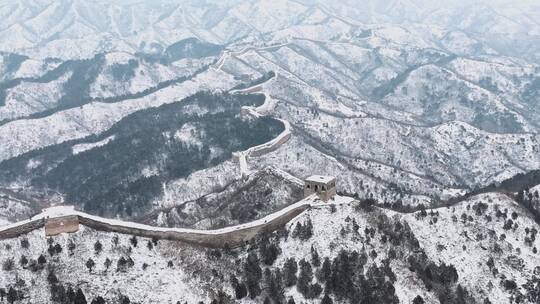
[(445, 236), (61, 211), (24, 135)]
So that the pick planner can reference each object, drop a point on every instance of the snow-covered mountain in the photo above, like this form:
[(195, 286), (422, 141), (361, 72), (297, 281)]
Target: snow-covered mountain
[(75, 29), (146, 110), (482, 250), (414, 97)]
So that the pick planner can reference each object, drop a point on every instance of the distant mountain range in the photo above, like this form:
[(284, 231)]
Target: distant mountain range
[(137, 109)]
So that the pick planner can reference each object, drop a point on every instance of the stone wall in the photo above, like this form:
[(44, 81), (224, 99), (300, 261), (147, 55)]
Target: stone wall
[(22, 229), (270, 147), (225, 239), (228, 239)]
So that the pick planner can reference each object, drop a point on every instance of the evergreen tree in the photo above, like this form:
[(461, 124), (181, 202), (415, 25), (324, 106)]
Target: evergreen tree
[(79, 297), (418, 300), (23, 261), (326, 271), (269, 252), (115, 240), (315, 260), (252, 275), (107, 263), (98, 247), (24, 243), (98, 300), (327, 300), (121, 264), (41, 259), (57, 248), (12, 295), (51, 278), (71, 246), (274, 285), (125, 300), (70, 294), (240, 291), (133, 241), (90, 264), (51, 250), (304, 279), (58, 293), (289, 272)]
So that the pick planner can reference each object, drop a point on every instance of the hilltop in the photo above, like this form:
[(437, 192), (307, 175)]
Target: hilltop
[(482, 249)]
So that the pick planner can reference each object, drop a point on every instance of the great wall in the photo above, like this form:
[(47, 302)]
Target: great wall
[(262, 110), (65, 219)]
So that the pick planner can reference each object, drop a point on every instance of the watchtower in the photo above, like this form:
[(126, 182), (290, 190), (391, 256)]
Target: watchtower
[(324, 186)]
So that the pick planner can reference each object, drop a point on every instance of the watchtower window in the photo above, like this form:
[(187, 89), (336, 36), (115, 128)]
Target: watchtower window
[(308, 186), (324, 188), (316, 187)]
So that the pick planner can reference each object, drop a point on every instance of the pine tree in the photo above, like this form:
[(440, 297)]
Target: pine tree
[(133, 241), (289, 272), (274, 285), (326, 271), (51, 250), (41, 259), (70, 294), (327, 300), (98, 247), (115, 240), (71, 246), (23, 261), (57, 248), (418, 300), (58, 293), (315, 260), (12, 295), (90, 264), (98, 300), (240, 291), (304, 279), (51, 278), (79, 297), (125, 300), (107, 263), (24, 243), (269, 252), (252, 275)]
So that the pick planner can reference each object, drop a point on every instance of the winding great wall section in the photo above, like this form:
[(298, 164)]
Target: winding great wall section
[(65, 219), (256, 112)]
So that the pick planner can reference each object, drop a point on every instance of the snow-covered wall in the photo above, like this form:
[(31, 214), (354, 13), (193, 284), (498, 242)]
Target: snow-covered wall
[(221, 238)]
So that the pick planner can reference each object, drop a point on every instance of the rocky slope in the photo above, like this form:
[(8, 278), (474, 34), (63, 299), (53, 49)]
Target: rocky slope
[(414, 104), (482, 250), (135, 109)]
